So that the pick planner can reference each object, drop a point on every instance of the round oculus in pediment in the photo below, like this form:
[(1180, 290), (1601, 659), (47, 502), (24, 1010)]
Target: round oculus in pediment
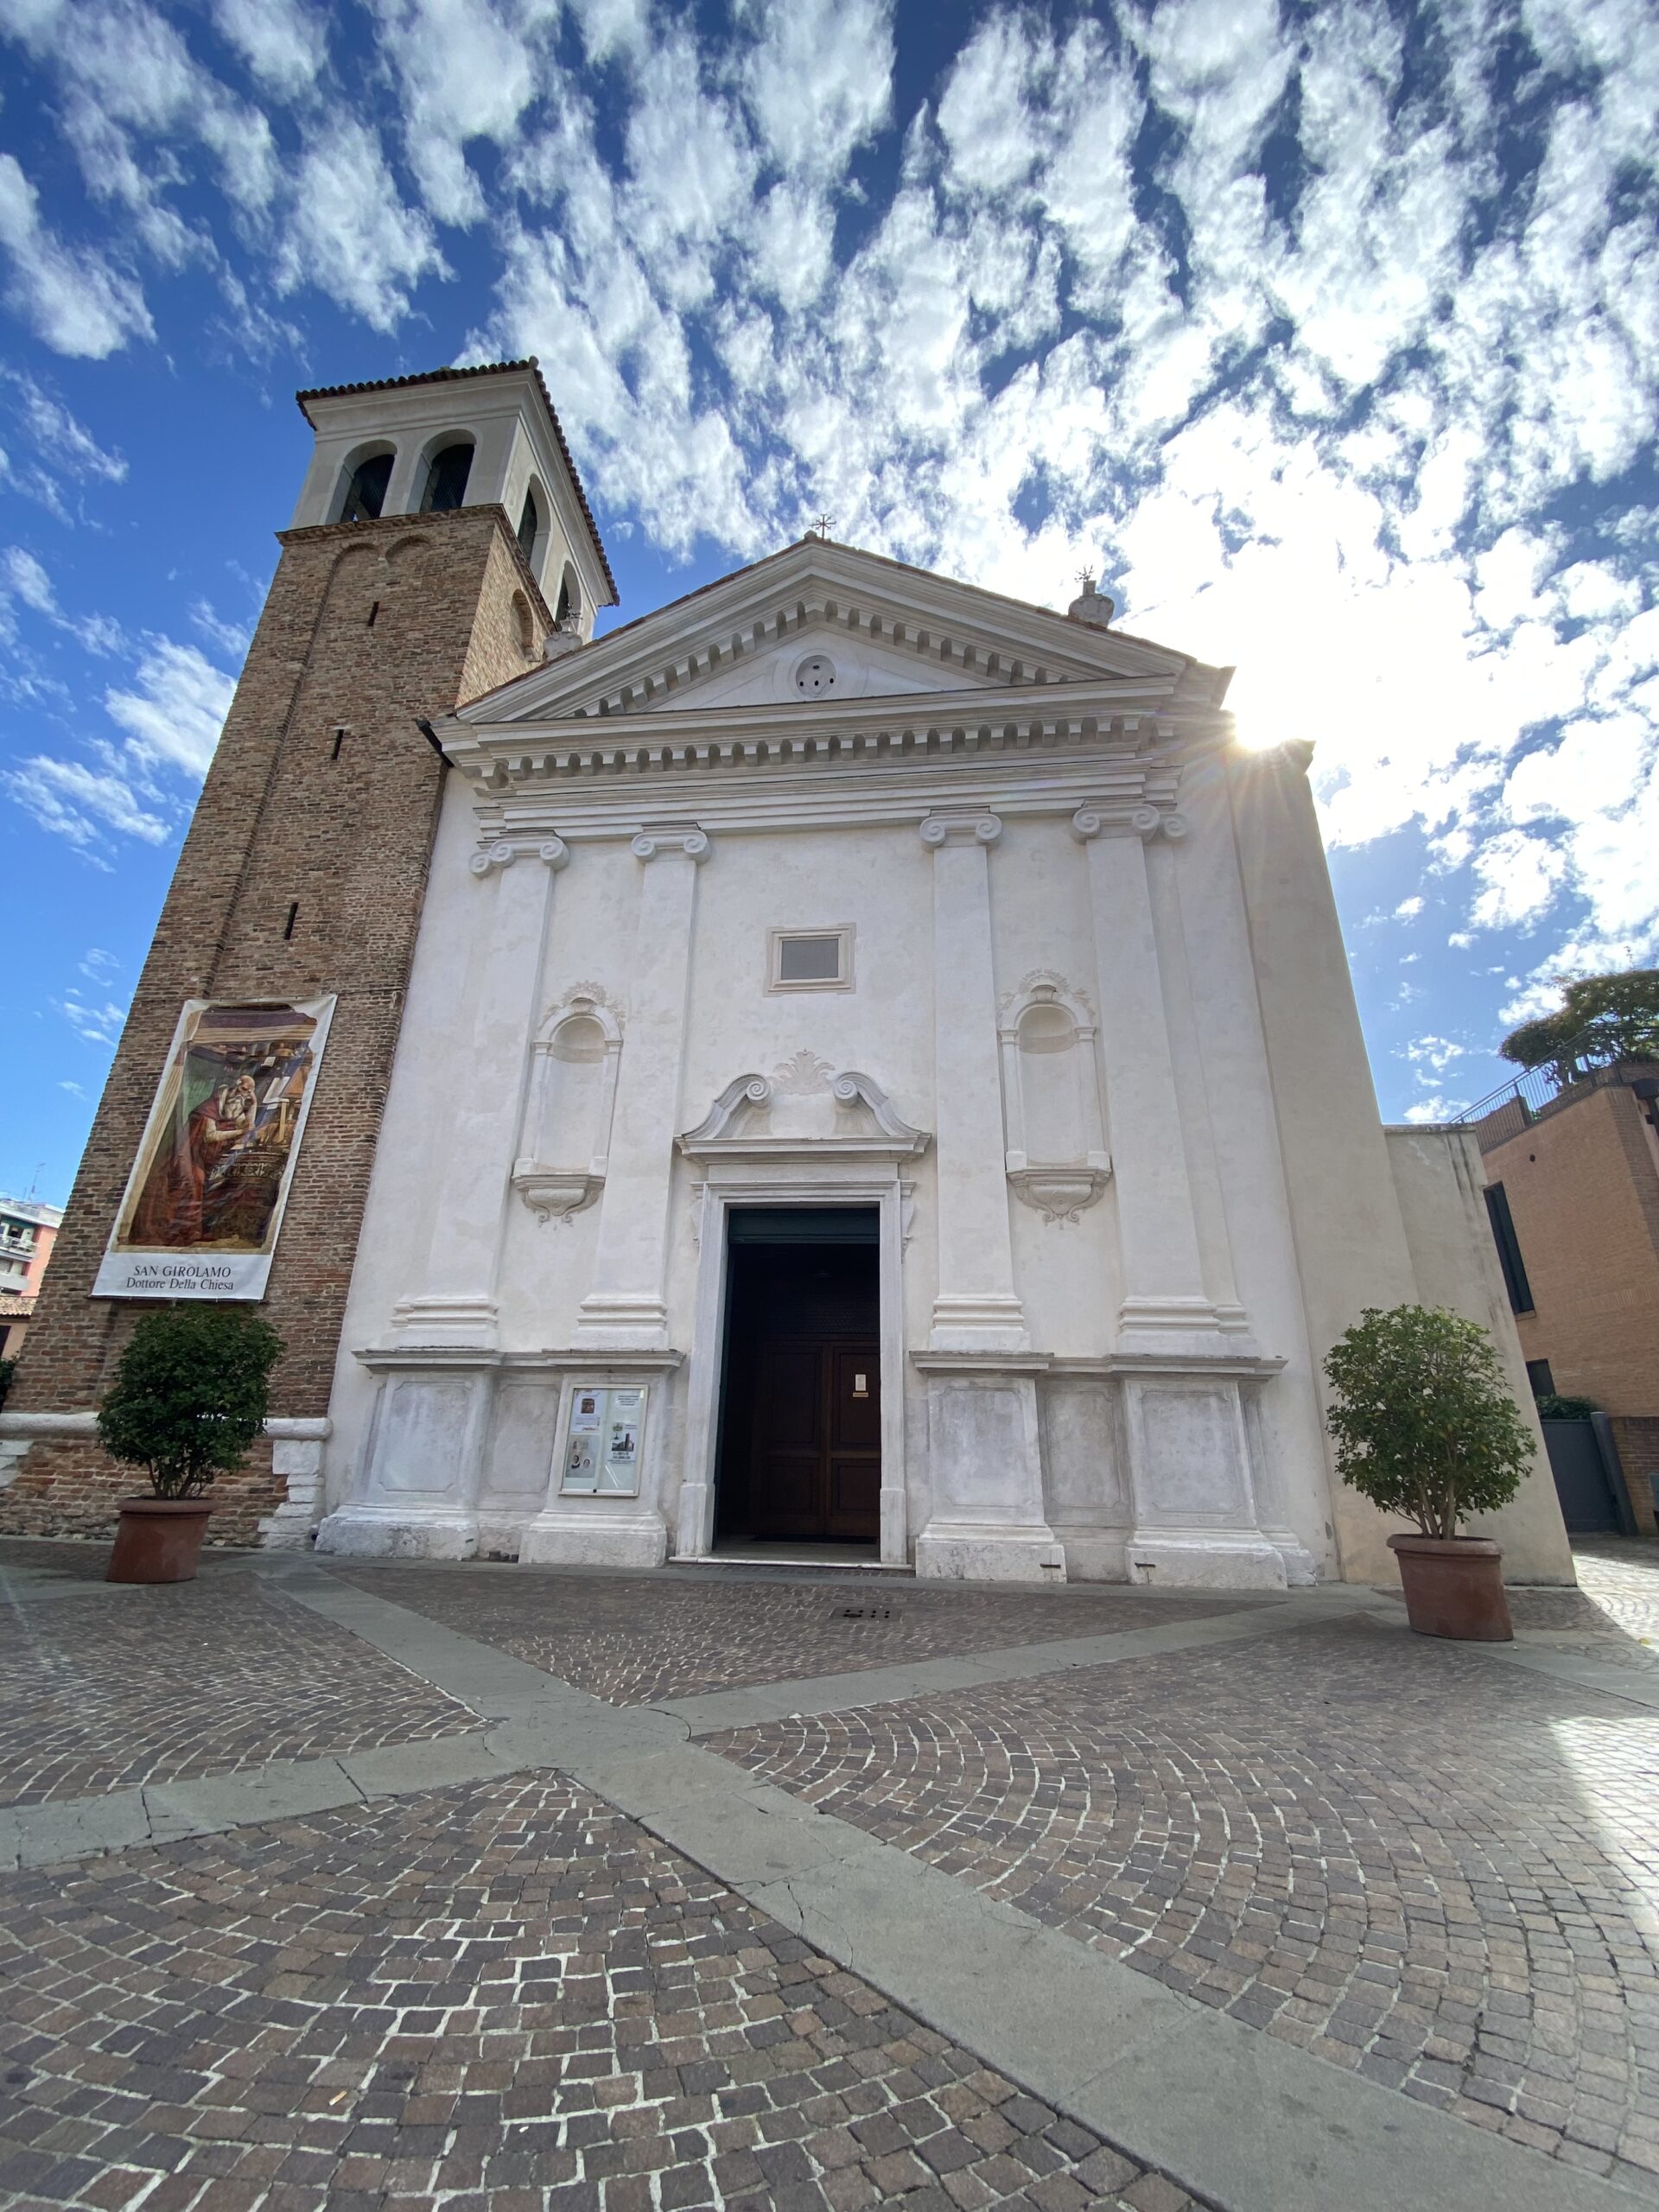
[(815, 676)]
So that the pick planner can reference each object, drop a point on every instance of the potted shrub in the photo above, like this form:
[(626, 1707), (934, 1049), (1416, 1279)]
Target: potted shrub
[(1425, 1428), (189, 1397)]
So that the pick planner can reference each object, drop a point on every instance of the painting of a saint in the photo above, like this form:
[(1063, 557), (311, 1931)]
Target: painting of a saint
[(213, 1169)]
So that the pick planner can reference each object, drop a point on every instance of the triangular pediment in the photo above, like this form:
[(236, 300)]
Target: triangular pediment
[(821, 622)]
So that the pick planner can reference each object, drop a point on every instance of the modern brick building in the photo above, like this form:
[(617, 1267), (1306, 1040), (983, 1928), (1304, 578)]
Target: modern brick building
[(849, 1059), (1573, 1188)]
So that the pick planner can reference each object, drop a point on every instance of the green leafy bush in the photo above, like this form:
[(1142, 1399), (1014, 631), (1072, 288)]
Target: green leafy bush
[(1424, 1425), (8, 1375), (1602, 1019), (190, 1394), (1552, 1406)]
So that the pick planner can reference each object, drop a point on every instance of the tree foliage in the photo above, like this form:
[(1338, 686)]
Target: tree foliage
[(1556, 1405), (8, 1375), (1423, 1423), (190, 1394), (1602, 1019)]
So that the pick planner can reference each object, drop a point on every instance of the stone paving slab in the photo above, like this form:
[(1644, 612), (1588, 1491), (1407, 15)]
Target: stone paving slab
[(639, 1639), (98, 1692), (1437, 1872), (500, 1995)]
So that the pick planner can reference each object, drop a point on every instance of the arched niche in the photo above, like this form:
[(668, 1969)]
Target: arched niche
[(1053, 1132), (567, 609), (364, 480), (567, 1108)]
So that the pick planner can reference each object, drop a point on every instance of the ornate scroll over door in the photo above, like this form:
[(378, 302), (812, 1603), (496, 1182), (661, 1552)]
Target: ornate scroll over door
[(815, 1464)]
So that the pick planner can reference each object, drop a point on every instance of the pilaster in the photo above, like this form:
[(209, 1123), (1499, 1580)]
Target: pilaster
[(1165, 1305), (456, 1303), (625, 1305), (977, 1307)]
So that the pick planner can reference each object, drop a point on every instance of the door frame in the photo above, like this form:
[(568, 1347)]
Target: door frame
[(732, 1184)]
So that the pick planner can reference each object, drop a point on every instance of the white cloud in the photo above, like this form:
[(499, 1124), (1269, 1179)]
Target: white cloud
[(23, 577), (465, 73), (59, 440), (76, 302), (232, 638), (283, 43), (349, 233), (177, 713), (1434, 1053), (81, 804), (1321, 418), (99, 1025)]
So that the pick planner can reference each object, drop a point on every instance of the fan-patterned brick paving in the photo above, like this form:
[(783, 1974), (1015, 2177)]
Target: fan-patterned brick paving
[(1435, 1870), (109, 1690), (503, 1996), (638, 1639)]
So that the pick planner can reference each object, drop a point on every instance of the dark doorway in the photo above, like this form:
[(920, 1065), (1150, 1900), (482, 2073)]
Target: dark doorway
[(800, 1433), (1582, 1481)]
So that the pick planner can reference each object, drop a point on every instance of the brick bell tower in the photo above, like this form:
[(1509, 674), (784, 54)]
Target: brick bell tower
[(441, 545)]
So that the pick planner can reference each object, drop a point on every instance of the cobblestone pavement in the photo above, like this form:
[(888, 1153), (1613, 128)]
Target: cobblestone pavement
[(505, 1996), (1613, 1615), (99, 1691), (1427, 1866), (638, 1639)]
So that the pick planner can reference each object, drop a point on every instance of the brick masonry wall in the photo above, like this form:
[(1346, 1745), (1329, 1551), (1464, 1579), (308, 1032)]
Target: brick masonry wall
[(1584, 1192), (1637, 1440), (367, 628), (71, 1488)]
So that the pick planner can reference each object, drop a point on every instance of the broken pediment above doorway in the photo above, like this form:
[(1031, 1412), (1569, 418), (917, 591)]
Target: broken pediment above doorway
[(803, 1109)]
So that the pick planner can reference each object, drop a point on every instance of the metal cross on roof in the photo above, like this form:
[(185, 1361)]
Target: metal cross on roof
[(822, 525)]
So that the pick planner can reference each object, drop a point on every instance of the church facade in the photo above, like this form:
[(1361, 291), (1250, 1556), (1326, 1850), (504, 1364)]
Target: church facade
[(858, 1066)]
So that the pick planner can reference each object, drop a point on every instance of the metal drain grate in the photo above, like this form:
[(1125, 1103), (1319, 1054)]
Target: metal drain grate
[(862, 1613)]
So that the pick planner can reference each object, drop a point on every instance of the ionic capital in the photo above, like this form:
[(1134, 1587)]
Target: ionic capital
[(1143, 822), (960, 829), (693, 843), (553, 853)]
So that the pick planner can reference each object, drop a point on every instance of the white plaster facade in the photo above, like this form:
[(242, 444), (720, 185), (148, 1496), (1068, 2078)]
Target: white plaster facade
[(1096, 1068)]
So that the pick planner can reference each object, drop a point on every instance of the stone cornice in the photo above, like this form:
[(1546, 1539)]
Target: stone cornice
[(905, 789)]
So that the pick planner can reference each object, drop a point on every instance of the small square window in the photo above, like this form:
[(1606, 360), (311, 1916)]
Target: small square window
[(811, 960)]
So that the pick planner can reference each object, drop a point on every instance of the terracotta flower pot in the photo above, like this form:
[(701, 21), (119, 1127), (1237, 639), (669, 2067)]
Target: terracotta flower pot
[(1454, 1586), (159, 1540)]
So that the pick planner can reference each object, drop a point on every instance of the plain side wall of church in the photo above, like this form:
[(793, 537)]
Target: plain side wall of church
[(1437, 1174), (1371, 1227)]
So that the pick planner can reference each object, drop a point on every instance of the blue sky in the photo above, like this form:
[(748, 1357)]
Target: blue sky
[(1327, 333)]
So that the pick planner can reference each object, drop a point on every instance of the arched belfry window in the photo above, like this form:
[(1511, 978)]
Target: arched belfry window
[(365, 488), (530, 524), (446, 478), (568, 612)]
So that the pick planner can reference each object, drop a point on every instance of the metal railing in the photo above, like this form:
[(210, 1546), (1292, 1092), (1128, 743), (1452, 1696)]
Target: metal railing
[(1586, 1063)]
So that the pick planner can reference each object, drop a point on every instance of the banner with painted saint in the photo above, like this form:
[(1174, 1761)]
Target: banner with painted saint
[(203, 1206)]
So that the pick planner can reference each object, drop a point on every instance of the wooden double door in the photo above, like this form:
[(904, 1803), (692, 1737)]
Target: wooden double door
[(801, 1455)]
